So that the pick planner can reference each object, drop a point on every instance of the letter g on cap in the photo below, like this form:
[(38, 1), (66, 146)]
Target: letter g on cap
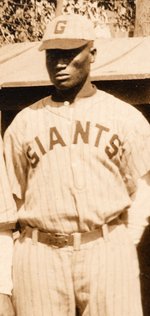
[(60, 27)]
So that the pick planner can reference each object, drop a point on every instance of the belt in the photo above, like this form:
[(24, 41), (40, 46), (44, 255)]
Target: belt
[(60, 240)]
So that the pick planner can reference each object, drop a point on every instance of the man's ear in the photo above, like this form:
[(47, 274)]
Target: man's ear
[(93, 52)]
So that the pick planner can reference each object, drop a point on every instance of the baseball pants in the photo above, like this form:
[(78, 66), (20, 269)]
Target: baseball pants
[(100, 279)]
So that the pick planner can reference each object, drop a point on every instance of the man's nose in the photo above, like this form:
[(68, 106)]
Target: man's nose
[(61, 63)]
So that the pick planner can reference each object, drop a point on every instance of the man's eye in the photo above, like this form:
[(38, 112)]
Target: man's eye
[(56, 54), (50, 56)]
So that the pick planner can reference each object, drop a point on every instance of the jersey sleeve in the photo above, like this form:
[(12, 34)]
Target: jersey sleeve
[(136, 157), (8, 214), (16, 161)]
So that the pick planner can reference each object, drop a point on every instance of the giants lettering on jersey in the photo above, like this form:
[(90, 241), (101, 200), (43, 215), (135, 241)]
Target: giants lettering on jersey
[(55, 138)]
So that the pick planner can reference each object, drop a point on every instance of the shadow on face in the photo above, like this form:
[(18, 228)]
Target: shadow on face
[(69, 67)]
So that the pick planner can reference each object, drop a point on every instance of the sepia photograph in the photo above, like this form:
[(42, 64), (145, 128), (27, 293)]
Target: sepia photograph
[(75, 158)]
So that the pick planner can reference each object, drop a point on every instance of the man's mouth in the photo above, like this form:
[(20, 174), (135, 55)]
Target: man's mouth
[(62, 76)]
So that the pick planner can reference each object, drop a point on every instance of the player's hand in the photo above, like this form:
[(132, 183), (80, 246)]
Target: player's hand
[(6, 307)]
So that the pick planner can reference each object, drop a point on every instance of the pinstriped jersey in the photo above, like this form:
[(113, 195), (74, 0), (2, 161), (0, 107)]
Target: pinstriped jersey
[(74, 166), (7, 205)]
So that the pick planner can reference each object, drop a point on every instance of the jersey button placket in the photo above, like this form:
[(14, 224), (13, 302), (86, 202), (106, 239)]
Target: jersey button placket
[(76, 152)]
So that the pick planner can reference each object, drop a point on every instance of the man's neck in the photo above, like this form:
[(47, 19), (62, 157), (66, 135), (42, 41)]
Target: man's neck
[(86, 90)]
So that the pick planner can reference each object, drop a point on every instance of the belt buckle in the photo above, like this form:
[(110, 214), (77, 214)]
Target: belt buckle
[(60, 240)]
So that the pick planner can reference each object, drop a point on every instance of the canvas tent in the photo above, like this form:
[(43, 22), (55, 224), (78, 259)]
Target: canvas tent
[(122, 68), (21, 64)]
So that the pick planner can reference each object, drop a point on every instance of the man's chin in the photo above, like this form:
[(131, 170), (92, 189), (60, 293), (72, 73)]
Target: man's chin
[(63, 86)]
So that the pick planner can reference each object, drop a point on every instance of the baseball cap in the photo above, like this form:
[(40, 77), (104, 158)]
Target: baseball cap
[(68, 32)]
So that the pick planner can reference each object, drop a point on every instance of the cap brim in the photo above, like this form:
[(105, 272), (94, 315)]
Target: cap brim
[(62, 44)]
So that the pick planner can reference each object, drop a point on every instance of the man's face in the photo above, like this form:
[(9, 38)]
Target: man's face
[(69, 68)]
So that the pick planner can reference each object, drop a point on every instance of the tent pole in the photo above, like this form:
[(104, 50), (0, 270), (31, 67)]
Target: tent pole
[(59, 7)]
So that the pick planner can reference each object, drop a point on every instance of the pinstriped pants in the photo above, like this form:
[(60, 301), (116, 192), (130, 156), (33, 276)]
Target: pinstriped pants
[(101, 279)]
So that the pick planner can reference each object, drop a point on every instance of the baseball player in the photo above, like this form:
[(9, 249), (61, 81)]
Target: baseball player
[(78, 165), (7, 222)]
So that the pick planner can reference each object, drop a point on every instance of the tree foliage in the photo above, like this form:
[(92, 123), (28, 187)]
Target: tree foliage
[(25, 20)]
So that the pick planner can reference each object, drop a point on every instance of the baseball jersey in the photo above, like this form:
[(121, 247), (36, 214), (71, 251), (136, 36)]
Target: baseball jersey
[(75, 166), (8, 215), (8, 218)]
